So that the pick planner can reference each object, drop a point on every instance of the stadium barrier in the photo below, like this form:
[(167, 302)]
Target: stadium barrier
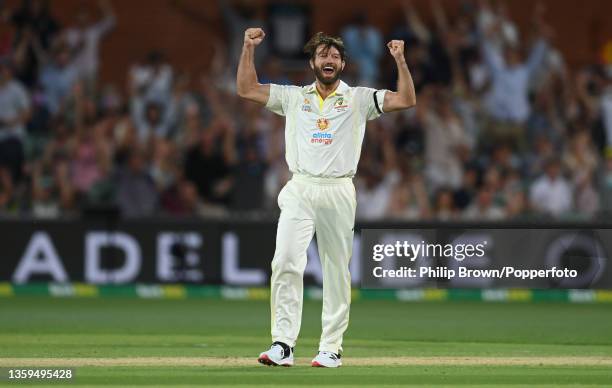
[(237, 253)]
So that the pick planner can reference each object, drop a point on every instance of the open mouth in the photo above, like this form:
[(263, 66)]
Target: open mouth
[(328, 70)]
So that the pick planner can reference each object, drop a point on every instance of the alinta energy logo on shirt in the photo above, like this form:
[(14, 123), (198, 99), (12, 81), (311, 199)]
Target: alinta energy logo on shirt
[(322, 137)]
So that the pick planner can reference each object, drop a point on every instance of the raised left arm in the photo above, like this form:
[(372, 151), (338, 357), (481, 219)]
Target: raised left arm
[(405, 97)]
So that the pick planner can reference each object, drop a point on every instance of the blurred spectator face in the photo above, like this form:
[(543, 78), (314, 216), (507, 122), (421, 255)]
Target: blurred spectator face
[(470, 178), (207, 141), (553, 169), (580, 143), (136, 162), (62, 56), (154, 59), (182, 83), (153, 114), (485, 198), (502, 155), (517, 203), (188, 194), (83, 17), (512, 56), (359, 19), (492, 178), (37, 7), (111, 100), (246, 8), (163, 149), (444, 200), (5, 72), (443, 105), (251, 154), (543, 146), (513, 180), (371, 180), (274, 68), (327, 64), (416, 55)]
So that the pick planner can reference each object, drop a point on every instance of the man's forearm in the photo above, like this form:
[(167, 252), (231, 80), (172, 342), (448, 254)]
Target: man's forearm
[(405, 85), (247, 76)]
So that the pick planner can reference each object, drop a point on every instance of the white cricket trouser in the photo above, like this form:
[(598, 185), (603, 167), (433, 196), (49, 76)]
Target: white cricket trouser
[(327, 207)]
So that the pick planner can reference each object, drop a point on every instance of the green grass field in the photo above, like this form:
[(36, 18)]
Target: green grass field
[(130, 342)]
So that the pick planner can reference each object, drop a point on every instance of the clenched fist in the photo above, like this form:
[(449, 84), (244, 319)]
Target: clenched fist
[(253, 36), (396, 48)]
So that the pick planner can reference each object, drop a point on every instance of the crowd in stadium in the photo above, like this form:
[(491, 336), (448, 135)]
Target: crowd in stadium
[(503, 128)]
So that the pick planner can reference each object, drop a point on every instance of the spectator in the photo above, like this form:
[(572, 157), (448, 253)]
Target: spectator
[(182, 200), (153, 123), (14, 114), (605, 184), (409, 199), (33, 22), (52, 192), (209, 163), (6, 190), (507, 102), (606, 109), (586, 197), (444, 205), (151, 80), (58, 76), (508, 99), (484, 207), (446, 143), (374, 194), (163, 169), (136, 194), (580, 158), (464, 195), (551, 193), (84, 39), (364, 45)]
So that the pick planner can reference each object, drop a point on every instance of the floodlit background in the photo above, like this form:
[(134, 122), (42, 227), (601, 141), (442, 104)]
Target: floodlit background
[(130, 107)]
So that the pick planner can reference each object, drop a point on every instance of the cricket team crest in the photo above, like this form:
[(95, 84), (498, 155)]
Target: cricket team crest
[(322, 123), (340, 105)]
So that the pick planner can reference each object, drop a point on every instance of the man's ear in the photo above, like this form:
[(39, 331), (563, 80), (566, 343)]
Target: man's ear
[(343, 64), (311, 64)]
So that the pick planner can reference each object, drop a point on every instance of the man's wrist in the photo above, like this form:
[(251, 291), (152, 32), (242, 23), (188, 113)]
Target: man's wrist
[(400, 60)]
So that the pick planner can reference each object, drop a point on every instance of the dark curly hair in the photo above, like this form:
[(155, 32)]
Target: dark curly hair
[(328, 41)]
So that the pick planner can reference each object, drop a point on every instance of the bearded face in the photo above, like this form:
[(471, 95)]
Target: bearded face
[(327, 64)]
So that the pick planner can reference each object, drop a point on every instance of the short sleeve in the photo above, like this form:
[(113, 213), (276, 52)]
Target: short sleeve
[(278, 101), (371, 102)]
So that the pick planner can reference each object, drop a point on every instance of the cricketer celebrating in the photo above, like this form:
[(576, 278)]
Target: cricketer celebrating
[(324, 130)]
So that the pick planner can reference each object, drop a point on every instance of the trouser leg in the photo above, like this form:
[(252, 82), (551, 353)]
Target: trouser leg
[(294, 233), (334, 229)]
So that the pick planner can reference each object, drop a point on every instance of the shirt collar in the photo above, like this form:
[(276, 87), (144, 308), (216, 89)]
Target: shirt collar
[(340, 90)]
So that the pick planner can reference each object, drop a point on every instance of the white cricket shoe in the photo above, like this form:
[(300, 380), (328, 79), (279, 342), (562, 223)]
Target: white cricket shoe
[(327, 360), (278, 354)]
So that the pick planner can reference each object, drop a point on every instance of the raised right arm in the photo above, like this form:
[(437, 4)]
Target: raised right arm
[(247, 84)]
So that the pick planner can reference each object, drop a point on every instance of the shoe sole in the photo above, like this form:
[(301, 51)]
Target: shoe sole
[(316, 364), (265, 360)]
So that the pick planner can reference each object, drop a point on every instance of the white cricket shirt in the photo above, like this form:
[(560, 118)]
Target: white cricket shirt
[(323, 137)]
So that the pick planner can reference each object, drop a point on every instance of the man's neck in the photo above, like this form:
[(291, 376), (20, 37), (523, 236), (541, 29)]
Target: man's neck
[(325, 90)]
